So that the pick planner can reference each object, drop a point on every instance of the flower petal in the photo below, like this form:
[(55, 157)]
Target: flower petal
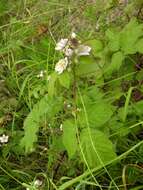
[(61, 65), (68, 52), (73, 35), (83, 50), (61, 44)]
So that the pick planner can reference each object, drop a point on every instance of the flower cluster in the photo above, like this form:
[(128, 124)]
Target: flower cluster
[(3, 139), (70, 47), (41, 74)]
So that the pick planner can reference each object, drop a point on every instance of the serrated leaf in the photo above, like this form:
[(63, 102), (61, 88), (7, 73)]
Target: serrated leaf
[(69, 137), (96, 45), (116, 62), (114, 40), (46, 105), (129, 36), (96, 147), (139, 46), (98, 114), (88, 65), (65, 79), (138, 106), (51, 85), (95, 90)]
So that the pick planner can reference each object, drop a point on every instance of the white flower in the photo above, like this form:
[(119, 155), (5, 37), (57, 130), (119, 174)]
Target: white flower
[(61, 65), (83, 50), (68, 52), (38, 183), (73, 35), (4, 138), (61, 44)]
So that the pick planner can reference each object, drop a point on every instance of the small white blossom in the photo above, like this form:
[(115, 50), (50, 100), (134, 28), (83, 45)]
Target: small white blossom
[(68, 106), (61, 65), (61, 44), (38, 182), (83, 50), (61, 127), (97, 26), (4, 138), (73, 35), (41, 74), (68, 52)]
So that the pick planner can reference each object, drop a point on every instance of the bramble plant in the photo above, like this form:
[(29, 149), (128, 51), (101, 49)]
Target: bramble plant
[(83, 130), (85, 126)]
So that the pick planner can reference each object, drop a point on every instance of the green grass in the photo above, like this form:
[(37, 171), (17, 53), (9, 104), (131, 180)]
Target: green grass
[(29, 31)]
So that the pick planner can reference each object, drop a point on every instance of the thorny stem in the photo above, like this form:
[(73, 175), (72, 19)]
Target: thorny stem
[(74, 85), (75, 107)]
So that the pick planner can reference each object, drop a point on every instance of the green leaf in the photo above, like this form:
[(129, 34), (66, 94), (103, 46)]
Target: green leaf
[(129, 36), (57, 143), (116, 62), (95, 90), (138, 106), (88, 65), (139, 46), (46, 105), (3, 7), (96, 147), (65, 79), (114, 40), (51, 85), (99, 113), (69, 137), (96, 45)]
